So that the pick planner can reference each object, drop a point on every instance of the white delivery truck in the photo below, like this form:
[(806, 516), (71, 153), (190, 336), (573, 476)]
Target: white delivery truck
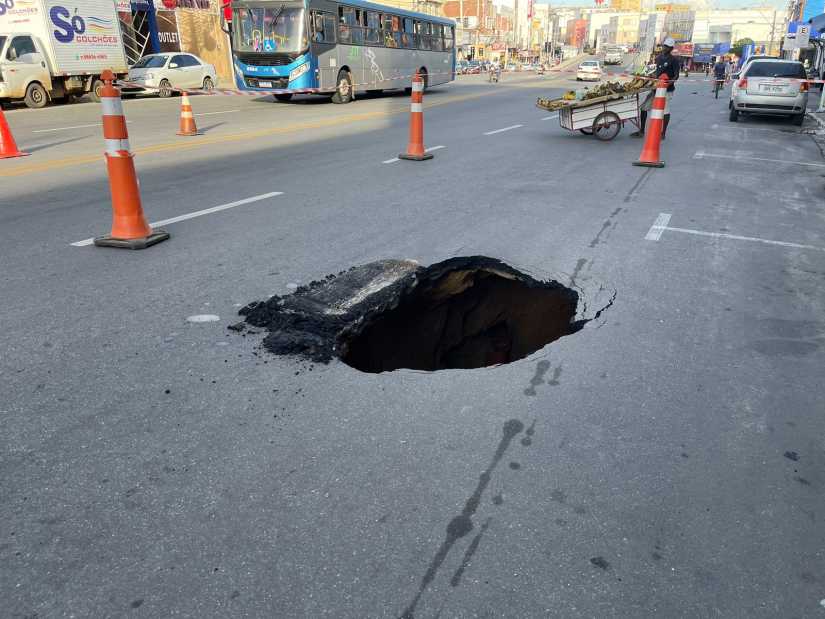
[(57, 49)]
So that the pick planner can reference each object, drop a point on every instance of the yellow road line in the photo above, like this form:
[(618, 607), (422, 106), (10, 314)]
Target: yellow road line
[(55, 164)]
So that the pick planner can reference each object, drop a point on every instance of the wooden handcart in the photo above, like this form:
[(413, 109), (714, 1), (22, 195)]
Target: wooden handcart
[(602, 117)]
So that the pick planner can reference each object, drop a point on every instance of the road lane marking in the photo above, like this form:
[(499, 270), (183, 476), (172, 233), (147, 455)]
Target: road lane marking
[(660, 225), (206, 211), (655, 232), (702, 155), (741, 128), (213, 113), (511, 127), (55, 164), (426, 150), (550, 117)]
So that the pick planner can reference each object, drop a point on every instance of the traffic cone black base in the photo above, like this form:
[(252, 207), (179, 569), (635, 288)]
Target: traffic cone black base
[(142, 243), (423, 157), (650, 164)]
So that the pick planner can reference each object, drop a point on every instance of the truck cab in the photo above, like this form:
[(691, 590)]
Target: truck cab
[(24, 72)]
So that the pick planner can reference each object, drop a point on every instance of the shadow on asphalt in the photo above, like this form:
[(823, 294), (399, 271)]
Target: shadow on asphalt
[(38, 147)]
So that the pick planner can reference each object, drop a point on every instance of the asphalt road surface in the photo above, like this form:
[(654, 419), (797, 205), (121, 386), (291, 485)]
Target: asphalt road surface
[(665, 461)]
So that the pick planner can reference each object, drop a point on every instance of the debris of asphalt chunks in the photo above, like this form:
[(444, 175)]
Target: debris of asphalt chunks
[(8, 147), (130, 229), (415, 146), (465, 312)]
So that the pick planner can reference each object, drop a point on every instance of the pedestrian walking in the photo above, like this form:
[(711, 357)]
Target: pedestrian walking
[(666, 64)]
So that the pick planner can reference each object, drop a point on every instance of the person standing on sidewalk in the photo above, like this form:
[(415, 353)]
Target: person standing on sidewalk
[(667, 64)]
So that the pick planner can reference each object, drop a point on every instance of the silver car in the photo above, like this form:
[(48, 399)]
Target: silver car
[(770, 86), (166, 73)]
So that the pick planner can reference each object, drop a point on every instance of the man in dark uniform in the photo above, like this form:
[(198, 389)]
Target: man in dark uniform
[(669, 65)]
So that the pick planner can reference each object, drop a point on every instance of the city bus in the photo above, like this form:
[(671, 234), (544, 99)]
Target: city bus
[(338, 48)]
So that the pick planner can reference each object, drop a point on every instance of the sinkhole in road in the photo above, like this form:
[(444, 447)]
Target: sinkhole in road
[(471, 313), (465, 312)]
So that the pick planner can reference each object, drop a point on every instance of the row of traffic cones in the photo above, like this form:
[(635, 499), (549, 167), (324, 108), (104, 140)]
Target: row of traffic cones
[(129, 226)]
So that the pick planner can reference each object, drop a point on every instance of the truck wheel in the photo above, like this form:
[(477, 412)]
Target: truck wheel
[(96, 91), (36, 96), (343, 92)]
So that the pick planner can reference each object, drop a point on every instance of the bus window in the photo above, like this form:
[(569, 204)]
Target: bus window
[(358, 27), (423, 35), (408, 36), (386, 27), (346, 19), (436, 38), (373, 28), (323, 27), (448, 38)]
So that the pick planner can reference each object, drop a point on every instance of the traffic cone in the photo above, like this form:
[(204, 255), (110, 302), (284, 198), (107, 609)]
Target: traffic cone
[(8, 147), (187, 119), (415, 147), (129, 227), (653, 133)]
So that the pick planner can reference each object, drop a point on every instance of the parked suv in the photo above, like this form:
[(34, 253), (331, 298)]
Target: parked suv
[(772, 87)]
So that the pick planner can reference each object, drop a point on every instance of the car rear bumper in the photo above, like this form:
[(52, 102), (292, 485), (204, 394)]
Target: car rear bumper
[(589, 76), (767, 104)]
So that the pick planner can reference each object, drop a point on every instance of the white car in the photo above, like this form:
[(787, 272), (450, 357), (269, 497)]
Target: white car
[(772, 87), (613, 56), (589, 70), (166, 73)]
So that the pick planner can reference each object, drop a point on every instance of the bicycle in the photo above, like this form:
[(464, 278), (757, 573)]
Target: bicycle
[(717, 86)]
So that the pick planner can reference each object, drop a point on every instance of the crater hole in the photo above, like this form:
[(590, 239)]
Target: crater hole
[(466, 317)]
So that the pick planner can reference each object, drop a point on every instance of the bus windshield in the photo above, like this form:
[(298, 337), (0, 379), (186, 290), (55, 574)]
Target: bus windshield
[(272, 28)]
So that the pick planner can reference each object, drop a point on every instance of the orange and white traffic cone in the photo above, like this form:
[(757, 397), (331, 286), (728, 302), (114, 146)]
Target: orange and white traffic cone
[(187, 119), (8, 147), (653, 134), (129, 227), (415, 147)]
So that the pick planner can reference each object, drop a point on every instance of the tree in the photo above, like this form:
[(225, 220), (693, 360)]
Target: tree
[(737, 48)]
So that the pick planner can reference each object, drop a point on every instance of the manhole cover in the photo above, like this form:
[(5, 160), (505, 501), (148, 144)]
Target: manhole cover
[(468, 312)]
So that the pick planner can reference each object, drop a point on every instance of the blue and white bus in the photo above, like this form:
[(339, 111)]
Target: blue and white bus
[(337, 47)]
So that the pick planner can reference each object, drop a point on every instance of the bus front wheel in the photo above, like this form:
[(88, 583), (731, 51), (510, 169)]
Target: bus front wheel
[(343, 92)]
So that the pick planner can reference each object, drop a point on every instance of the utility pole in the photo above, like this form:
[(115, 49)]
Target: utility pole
[(517, 44), (773, 33), (461, 25)]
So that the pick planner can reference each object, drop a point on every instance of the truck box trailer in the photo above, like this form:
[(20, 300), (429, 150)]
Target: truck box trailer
[(55, 49)]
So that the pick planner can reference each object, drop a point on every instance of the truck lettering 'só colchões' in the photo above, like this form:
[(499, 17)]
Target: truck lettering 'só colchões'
[(54, 50)]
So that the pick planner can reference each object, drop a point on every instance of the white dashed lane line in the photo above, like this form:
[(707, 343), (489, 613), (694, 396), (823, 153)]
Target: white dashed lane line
[(206, 211), (510, 128)]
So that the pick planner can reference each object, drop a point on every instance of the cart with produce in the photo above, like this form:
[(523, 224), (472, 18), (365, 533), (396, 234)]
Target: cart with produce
[(601, 111)]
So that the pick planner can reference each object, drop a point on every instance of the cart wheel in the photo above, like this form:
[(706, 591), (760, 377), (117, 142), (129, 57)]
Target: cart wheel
[(606, 126), (586, 130)]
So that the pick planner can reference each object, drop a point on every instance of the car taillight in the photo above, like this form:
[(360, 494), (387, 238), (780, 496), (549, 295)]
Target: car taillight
[(743, 83)]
